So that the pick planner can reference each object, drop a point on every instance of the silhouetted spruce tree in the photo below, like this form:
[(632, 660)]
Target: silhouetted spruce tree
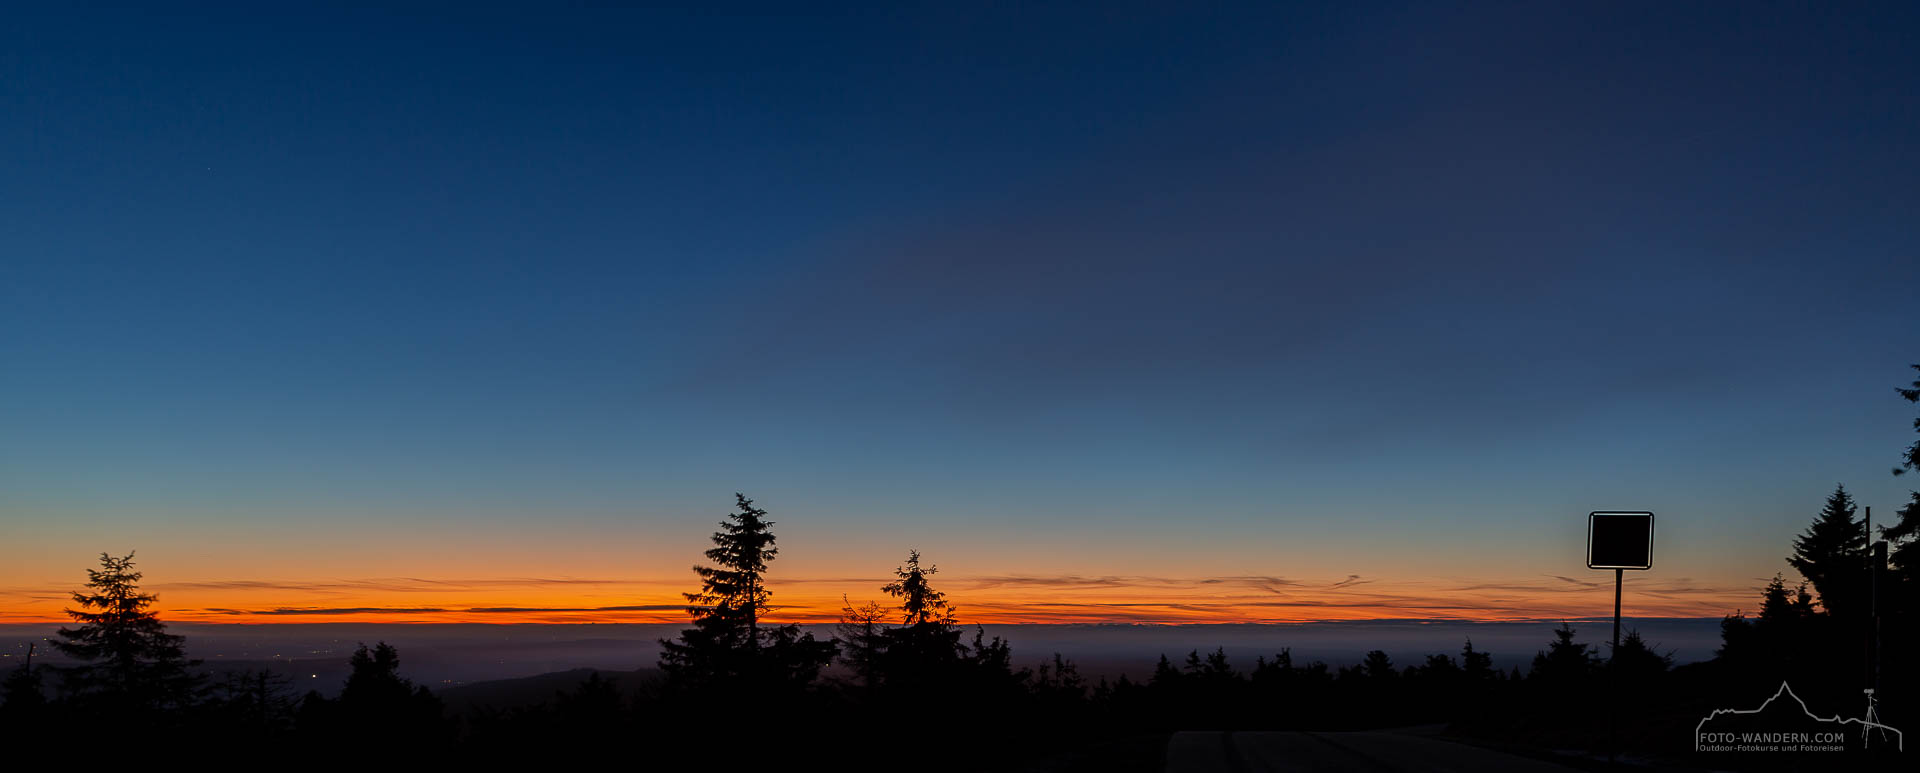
[(1194, 666), (1213, 668), (1478, 682), (986, 668), (1832, 554), (728, 648), (1739, 644), (1165, 676), (1477, 665), (1562, 677), (1636, 662), (259, 701), (1783, 609), (379, 705), (924, 652), (1276, 670), (1440, 666), (1058, 682), (1431, 690), (131, 663), (1378, 666), (1912, 460), (1772, 643), (1904, 556), (1898, 591), (374, 678), (1565, 661), (920, 604), (1786, 619), (1208, 684), (862, 635), (1274, 677)]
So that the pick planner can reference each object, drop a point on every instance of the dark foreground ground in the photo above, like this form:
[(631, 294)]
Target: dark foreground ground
[(1363, 752)]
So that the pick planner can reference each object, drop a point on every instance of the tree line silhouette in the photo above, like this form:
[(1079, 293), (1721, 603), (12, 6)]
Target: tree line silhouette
[(905, 680)]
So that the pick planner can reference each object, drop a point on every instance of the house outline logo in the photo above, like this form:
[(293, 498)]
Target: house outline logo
[(1867, 725)]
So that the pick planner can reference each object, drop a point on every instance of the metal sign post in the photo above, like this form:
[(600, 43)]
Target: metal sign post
[(1616, 614), (1618, 541)]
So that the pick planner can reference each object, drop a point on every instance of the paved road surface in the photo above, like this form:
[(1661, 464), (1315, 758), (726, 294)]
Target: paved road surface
[(1265, 752)]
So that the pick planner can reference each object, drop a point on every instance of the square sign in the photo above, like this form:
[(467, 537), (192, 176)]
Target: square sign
[(1619, 540)]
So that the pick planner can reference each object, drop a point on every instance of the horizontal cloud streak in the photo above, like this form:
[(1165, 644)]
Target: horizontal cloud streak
[(632, 608), (279, 611), (399, 584), (333, 611)]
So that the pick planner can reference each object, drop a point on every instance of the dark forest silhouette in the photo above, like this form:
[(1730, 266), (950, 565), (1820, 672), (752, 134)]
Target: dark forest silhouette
[(905, 680)]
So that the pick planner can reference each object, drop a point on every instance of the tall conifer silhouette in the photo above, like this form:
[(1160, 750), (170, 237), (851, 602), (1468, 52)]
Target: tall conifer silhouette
[(1832, 555), (131, 663), (1905, 558), (1911, 461), (728, 645), (920, 604), (862, 634)]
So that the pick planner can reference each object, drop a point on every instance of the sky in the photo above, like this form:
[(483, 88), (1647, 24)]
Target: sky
[(1116, 313)]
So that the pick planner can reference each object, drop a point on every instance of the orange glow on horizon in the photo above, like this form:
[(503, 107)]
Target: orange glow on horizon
[(986, 600)]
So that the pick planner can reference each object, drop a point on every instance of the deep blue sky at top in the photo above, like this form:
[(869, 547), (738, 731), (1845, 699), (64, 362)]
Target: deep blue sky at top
[(1190, 269)]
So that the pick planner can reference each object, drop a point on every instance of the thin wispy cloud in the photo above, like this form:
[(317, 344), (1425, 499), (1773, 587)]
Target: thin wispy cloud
[(283, 611), (1070, 581), (402, 584), (629, 608), (1263, 582)]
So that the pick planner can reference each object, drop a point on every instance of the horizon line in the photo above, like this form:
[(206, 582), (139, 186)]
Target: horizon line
[(1080, 623)]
